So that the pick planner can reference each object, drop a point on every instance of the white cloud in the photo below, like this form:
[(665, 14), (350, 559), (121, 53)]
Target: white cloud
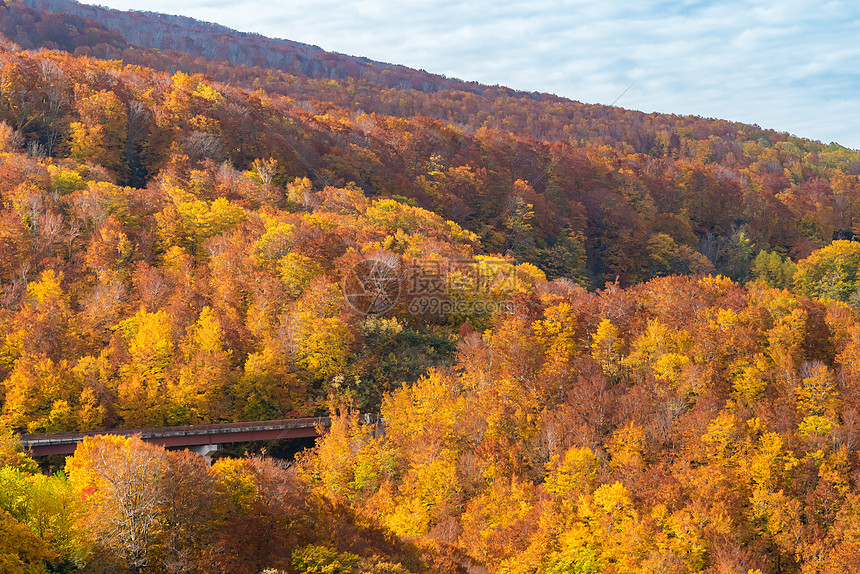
[(789, 65)]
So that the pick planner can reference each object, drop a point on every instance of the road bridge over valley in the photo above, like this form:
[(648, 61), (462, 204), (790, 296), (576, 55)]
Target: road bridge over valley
[(199, 438)]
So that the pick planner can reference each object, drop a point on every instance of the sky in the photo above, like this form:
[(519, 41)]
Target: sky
[(788, 65)]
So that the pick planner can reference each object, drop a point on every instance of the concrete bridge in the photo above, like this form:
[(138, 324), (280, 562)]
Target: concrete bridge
[(203, 439)]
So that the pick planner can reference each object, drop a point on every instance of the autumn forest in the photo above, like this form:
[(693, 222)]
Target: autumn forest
[(597, 340)]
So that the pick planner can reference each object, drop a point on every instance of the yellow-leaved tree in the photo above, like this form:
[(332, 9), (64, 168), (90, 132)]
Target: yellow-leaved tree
[(197, 394), (830, 272), (100, 136), (141, 389)]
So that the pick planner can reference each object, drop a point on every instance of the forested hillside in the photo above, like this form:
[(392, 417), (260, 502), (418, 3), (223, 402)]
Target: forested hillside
[(600, 340)]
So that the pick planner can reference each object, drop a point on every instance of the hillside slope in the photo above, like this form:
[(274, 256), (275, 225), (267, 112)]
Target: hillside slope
[(164, 32), (303, 72), (524, 286)]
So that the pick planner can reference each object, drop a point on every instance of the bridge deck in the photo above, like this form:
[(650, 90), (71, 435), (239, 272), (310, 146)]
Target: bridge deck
[(179, 436)]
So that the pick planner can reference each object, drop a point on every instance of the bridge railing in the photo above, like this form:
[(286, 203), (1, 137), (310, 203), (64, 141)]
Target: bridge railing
[(177, 436)]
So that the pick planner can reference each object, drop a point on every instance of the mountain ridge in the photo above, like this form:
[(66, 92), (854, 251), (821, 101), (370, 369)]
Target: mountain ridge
[(127, 23), (316, 63)]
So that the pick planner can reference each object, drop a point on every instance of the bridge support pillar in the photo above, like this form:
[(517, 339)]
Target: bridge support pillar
[(206, 450)]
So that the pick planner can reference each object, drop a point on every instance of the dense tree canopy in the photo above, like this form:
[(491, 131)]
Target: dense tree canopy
[(627, 348)]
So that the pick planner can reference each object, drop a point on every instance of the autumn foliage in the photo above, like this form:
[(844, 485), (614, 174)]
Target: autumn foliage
[(646, 359), (683, 425)]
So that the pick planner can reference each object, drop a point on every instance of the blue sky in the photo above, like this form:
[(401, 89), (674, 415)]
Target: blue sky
[(788, 65)]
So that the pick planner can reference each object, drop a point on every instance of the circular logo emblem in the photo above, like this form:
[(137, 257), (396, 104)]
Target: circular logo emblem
[(372, 286)]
